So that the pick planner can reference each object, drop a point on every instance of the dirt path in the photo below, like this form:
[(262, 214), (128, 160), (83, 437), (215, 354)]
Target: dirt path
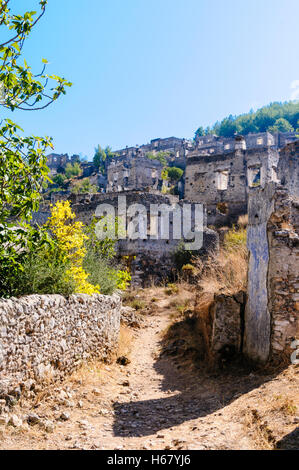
[(151, 404)]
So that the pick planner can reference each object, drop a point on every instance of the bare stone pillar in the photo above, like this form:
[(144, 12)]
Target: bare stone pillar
[(272, 311)]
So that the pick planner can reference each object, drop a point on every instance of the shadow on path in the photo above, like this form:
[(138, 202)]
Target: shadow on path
[(290, 441), (200, 395)]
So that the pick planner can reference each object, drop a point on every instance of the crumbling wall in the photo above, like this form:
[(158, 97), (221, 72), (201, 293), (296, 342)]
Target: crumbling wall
[(219, 182), (227, 315), (46, 337), (272, 319), (221, 173), (133, 173)]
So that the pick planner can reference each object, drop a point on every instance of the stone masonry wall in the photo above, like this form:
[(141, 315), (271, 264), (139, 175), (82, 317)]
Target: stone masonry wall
[(47, 336), (272, 319)]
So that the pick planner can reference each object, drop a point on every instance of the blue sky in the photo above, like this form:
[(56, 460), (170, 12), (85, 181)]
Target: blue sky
[(143, 69)]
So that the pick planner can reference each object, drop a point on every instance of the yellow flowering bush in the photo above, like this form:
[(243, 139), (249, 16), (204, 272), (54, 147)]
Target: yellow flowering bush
[(123, 279), (71, 239)]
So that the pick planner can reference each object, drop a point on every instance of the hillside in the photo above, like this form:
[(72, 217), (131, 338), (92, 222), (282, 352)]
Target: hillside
[(275, 117)]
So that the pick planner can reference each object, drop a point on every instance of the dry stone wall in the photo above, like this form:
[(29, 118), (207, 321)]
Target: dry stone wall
[(46, 337)]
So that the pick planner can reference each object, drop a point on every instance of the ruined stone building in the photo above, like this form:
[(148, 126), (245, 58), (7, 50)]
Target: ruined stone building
[(177, 149), (222, 172), (134, 173), (57, 163)]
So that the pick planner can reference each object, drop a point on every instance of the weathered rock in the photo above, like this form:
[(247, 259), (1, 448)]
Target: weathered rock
[(15, 421), (123, 360), (48, 426), (33, 419), (64, 416), (129, 317), (4, 418)]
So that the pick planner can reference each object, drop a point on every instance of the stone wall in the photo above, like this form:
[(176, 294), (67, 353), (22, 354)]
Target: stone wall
[(134, 173), (222, 174), (48, 336), (227, 315), (272, 318)]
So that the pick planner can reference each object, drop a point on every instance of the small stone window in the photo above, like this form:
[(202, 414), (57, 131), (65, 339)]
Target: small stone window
[(260, 141), (227, 147), (254, 177), (222, 180)]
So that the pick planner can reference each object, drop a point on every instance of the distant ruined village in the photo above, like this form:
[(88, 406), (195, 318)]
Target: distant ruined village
[(254, 174)]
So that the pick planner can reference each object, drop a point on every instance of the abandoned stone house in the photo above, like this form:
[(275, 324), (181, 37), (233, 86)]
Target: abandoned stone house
[(177, 148), (57, 162), (222, 172), (129, 173)]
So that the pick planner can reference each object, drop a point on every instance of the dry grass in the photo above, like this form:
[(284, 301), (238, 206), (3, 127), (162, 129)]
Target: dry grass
[(259, 430), (125, 341), (137, 304), (87, 373), (285, 405), (243, 221), (226, 273)]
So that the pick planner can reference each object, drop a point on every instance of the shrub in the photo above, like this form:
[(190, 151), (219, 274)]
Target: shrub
[(171, 289), (181, 256), (99, 259), (44, 272), (103, 272), (70, 239), (235, 239), (243, 221), (84, 186), (59, 179), (73, 170), (174, 173), (137, 304)]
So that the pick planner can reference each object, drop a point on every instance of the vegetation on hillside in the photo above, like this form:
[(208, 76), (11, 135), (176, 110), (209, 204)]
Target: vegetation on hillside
[(159, 156), (276, 117), (100, 157)]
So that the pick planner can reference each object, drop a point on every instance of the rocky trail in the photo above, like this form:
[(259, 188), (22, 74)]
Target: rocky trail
[(153, 402)]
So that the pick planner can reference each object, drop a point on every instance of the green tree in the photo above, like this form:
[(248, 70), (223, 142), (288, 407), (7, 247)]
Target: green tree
[(200, 132), (59, 179), (281, 125), (73, 170), (23, 169), (100, 157), (174, 173), (264, 119)]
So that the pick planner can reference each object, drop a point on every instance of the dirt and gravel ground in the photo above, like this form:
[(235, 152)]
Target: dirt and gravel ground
[(158, 402)]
